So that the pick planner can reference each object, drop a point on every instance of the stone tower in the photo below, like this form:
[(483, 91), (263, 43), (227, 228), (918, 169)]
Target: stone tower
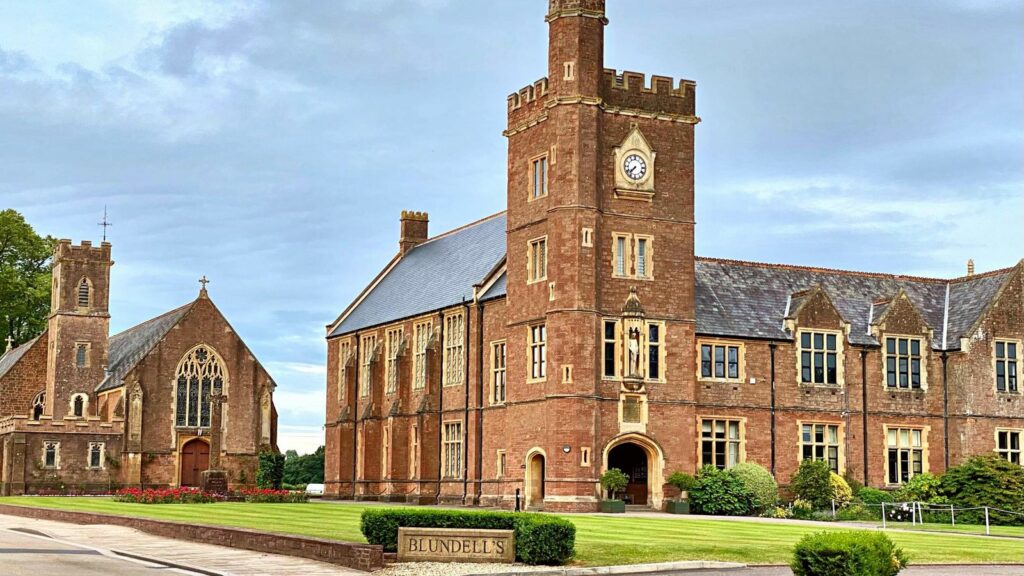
[(78, 327), (600, 179)]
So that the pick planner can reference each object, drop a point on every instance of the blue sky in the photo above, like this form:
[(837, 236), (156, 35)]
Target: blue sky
[(272, 145)]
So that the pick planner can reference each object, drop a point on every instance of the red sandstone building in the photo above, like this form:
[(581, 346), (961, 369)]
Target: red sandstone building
[(576, 331), (84, 412)]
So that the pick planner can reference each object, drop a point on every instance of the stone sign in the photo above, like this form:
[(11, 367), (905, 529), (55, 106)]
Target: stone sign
[(455, 545)]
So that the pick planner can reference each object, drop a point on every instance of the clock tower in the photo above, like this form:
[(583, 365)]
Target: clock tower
[(600, 222)]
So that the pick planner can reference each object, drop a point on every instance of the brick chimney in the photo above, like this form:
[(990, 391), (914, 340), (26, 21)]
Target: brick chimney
[(413, 231)]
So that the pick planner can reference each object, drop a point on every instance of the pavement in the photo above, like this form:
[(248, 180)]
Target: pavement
[(42, 547)]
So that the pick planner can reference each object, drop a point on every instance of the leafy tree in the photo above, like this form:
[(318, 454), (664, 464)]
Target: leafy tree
[(614, 480), (988, 480), (304, 469), (24, 278), (271, 470)]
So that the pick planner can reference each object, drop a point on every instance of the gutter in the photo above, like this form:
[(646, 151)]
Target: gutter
[(465, 403), (480, 404), (771, 350), (356, 345), (945, 404), (440, 408), (864, 408)]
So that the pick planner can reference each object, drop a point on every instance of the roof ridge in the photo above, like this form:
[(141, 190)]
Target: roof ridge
[(829, 270), (988, 274), (461, 228)]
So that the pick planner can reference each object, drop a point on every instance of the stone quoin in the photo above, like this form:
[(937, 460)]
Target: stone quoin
[(522, 355)]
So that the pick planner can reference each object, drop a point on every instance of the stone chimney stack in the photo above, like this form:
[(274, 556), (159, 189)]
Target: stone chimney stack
[(970, 267), (413, 231)]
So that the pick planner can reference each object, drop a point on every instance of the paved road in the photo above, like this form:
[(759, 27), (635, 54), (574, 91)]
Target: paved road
[(911, 571), (29, 555)]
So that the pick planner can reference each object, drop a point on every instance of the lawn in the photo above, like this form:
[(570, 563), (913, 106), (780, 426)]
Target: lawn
[(601, 539)]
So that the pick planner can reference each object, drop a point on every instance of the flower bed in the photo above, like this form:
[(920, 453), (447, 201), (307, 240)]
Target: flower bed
[(271, 496), (166, 496)]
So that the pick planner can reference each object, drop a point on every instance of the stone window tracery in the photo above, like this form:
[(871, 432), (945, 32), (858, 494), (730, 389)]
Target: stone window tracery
[(38, 405), (200, 373)]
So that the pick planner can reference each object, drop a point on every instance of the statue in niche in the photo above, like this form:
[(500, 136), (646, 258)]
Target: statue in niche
[(634, 352)]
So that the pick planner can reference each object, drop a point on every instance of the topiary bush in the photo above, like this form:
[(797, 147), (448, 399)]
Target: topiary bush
[(719, 492), (841, 492), (857, 553), (986, 480), (759, 484), (812, 483), (540, 539), (613, 481)]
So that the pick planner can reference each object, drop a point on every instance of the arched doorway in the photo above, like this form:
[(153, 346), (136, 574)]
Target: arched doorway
[(195, 458), (632, 460), (535, 480)]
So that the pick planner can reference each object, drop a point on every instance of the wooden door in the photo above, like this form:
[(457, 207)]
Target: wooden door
[(536, 482), (195, 458)]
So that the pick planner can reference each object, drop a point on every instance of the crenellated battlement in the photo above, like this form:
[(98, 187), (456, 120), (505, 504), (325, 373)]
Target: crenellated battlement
[(66, 250), (414, 215), (528, 94), (631, 90)]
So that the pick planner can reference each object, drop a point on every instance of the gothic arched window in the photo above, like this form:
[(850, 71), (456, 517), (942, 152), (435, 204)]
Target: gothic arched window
[(84, 293), (38, 404), (78, 406), (200, 373)]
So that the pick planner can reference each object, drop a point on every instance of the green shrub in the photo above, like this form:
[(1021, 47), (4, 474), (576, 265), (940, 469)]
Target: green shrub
[(719, 492), (540, 539), (614, 480), (988, 480), (855, 484), (777, 512), (857, 511), (801, 510), (271, 470), (874, 496), (841, 492), (759, 484), (921, 488), (681, 481), (857, 553), (812, 483)]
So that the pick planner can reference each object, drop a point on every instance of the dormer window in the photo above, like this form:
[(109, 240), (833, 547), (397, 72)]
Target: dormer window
[(819, 358), (1006, 365), (84, 293), (903, 363)]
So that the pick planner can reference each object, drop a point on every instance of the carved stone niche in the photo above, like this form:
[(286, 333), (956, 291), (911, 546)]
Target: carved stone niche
[(633, 334), (634, 167)]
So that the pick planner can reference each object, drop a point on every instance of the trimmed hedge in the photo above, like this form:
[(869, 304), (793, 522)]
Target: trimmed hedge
[(540, 539), (859, 553)]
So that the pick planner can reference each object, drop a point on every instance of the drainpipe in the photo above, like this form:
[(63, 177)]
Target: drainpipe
[(440, 407), (945, 405), (771, 350), (355, 413), (465, 401), (864, 408), (480, 402)]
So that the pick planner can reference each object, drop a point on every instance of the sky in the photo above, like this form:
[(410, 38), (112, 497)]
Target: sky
[(271, 145)]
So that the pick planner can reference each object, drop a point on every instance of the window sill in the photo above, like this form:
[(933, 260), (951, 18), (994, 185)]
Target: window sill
[(536, 380), (720, 380), (906, 390), (1008, 392), (821, 386), (536, 281)]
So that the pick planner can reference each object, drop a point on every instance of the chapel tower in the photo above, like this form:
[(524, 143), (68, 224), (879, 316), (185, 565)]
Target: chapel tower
[(78, 327), (600, 212)]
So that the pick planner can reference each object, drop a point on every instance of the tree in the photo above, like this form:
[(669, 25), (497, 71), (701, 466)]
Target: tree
[(24, 278), (305, 469)]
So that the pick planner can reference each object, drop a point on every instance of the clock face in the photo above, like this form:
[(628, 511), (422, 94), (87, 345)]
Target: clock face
[(634, 167)]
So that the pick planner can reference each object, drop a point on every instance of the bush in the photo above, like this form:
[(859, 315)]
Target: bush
[(681, 481), (986, 480), (271, 471), (614, 480), (921, 488), (166, 496), (874, 496), (847, 554), (271, 496), (841, 492), (802, 510), (759, 484), (812, 483), (719, 492), (540, 539), (777, 512), (857, 511)]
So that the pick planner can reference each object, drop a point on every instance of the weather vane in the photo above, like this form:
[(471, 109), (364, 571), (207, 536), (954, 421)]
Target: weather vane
[(105, 223)]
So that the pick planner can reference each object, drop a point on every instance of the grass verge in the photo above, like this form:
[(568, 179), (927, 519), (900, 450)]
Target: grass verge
[(600, 539)]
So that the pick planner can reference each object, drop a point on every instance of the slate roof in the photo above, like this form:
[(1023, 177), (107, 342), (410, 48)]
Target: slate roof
[(127, 348), (436, 274), (733, 298), (11, 357)]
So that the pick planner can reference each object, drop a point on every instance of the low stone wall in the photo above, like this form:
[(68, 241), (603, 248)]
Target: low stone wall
[(359, 556)]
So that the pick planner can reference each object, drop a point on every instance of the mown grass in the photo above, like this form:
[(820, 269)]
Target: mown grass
[(601, 539)]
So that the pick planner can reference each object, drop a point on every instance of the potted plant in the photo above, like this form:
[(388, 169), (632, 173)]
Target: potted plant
[(682, 482), (613, 481)]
